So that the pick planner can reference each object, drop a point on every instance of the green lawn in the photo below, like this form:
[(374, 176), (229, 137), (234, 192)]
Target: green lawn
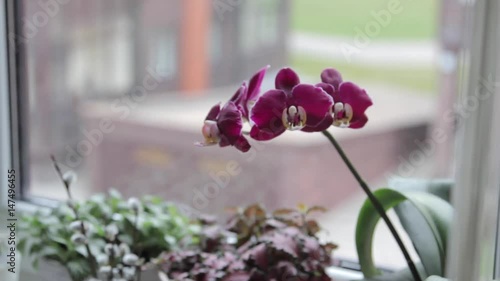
[(417, 19), (415, 79)]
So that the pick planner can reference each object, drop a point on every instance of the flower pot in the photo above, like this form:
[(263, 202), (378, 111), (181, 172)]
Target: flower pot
[(53, 271)]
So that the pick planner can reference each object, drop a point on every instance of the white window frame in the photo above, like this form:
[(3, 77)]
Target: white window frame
[(477, 192), (471, 251), (5, 133)]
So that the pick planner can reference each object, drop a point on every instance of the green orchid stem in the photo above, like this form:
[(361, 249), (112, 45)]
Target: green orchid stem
[(376, 204)]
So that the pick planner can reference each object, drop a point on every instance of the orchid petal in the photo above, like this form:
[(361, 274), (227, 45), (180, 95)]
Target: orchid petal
[(214, 111), (314, 100), (230, 123), (323, 125), (242, 144), (286, 79), (353, 95), (255, 83), (266, 115), (265, 134), (240, 94), (331, 76), (224, 142), (203, 144), (358, 121), (329, 89)]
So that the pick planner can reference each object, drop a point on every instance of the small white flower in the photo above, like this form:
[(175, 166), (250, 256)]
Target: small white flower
[(102, 259), (111, 231), (130, 259), (129, 273), (71, 203), (89, 228), (116, 273), (106, 270), (134, 204), (124, 249), (117, 217), (79, 239), (109, 250), (76, 226), (70, 178)]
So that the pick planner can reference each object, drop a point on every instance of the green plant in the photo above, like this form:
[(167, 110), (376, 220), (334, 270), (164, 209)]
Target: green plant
[(104, 233), (159, 227), (425, 215)]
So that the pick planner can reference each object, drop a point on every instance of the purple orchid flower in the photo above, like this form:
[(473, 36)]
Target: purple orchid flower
[(291, 106), (350, 101), (246, 96), (223, 127)]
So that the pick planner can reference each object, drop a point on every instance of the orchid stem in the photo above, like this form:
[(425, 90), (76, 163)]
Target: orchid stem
[(376, 204)]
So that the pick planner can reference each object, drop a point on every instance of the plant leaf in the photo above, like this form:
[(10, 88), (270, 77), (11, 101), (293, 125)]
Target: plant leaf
[(436, 278), (283, 212), (430, 243), (329, 247), (426, 219), (302, 207), (316, 209), (438, 187), (312, 227), (255, 211), (78, 269), (402, 275)]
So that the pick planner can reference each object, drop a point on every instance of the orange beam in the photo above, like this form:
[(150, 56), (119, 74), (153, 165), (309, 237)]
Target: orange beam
[(194, 62)]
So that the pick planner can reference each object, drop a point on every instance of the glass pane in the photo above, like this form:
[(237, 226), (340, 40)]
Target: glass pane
[(118, 90)]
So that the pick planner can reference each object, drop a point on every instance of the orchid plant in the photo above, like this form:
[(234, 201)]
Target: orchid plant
[(293, 105)]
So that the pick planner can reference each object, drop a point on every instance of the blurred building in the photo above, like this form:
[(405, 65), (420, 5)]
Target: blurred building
[(94, 49), (104, 47)]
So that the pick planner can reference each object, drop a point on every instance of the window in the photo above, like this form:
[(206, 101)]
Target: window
[(164, 52), (118, 92), (215, 42), (259, 24)]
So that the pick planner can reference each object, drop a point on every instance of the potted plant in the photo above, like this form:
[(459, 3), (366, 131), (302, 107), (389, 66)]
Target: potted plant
[(106, 236), (255, 245), (111, 239), (333, 102)]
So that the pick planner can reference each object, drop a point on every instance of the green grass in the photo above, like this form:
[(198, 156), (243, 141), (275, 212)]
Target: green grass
[(417, 19), (420, 79)]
